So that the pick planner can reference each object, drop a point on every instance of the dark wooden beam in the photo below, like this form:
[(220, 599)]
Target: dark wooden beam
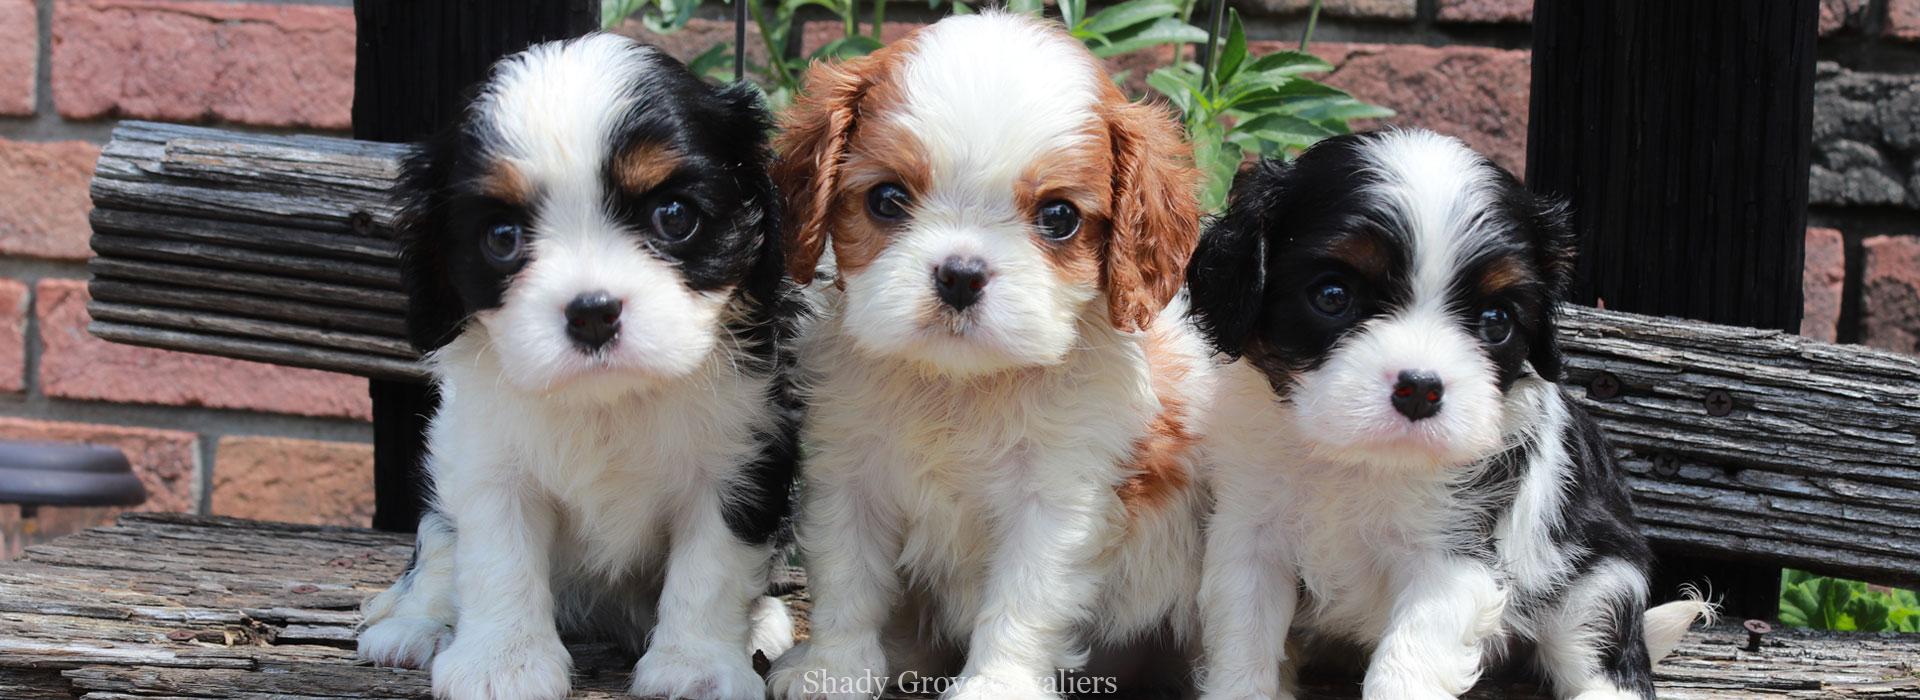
[(1680, 134)]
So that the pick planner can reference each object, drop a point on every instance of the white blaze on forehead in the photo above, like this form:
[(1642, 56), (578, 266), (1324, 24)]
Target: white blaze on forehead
[(1441, 192), (552, 114), (987, 94)]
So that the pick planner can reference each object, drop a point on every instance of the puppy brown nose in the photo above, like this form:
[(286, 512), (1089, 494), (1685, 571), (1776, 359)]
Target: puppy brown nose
[(960, 281), (593, 319), (1417, 394)]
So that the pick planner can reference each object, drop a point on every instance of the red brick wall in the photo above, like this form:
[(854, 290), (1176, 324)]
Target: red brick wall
[(205, 434), (225, 436)]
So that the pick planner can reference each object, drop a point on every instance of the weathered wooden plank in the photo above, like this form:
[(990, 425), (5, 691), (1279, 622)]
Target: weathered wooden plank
[(275, 352), (184, 607), (208, 322), (311, 182), (266, 286), (322, 318), (351, 247), (223, 257), (1816, 461)]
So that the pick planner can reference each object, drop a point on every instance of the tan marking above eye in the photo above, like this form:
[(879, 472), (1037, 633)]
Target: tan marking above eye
[(504, 181), (1363, 252), (1502, 274), (645, 166)]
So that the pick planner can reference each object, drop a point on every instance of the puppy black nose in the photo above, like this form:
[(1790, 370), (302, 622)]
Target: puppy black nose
[(593, 319), (960, 281), (1417, 394)]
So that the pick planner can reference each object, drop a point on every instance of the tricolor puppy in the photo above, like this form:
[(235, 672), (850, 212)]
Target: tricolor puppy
[(593, 264), (1000, 411), (1395, 466)]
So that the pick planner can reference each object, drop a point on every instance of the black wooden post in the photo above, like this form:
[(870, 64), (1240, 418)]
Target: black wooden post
[(416, 59), (1680, 132)]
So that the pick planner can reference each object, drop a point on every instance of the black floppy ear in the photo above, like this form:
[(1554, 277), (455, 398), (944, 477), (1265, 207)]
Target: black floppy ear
[(746, 116), (434, 309), (1227, 277), (1554, 251)]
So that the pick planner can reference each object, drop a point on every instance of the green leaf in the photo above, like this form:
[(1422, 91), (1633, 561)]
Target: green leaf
[(1177, 85), (1219, 160), (1233, 53), (1289, 63), (614, 12), (1030, 7), (1346, 110), (1284, 129), (716, 62), (847, 47), (1166, 30), (1124, 15), (1073, 11)]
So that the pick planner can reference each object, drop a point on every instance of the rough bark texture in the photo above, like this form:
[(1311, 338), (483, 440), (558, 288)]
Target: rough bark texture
[(180, 606)]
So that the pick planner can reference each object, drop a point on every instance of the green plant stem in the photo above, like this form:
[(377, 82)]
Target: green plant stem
[(1186, 15), (776, 55), (879, 18), (1313, 18), (850, 16)]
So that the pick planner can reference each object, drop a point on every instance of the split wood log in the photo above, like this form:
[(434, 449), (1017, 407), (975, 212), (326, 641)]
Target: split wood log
[(173, 606), (1742, 443)]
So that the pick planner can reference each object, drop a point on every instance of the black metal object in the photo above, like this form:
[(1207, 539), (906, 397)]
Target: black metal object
[(416, 62), (34, 474), (1680, 132)]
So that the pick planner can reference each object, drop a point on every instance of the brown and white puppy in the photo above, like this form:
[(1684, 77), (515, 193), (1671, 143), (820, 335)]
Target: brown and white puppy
[(1002, 388)]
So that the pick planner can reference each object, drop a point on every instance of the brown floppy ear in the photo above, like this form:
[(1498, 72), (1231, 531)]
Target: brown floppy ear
[(812, 144), (1156, 213)]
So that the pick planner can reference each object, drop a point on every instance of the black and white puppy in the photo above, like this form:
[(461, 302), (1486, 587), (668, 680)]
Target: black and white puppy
[(1395, 467), (594, 269)]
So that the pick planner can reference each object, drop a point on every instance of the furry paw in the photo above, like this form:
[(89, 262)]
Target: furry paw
[(404, 642), (772, 628), (1414, 672), (998, 687), (1606, 694), (691, 673), (811, 672), (476, 667), (1243, 687)]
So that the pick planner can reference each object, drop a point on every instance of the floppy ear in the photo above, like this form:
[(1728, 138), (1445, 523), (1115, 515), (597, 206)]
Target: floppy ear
[(434, 309), (1227, 280), (818, 128), (1554, 250), (1156, 213), (747, 116)]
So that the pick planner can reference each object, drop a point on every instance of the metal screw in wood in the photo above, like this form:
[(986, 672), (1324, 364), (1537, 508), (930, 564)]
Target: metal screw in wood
[(1719, 403)]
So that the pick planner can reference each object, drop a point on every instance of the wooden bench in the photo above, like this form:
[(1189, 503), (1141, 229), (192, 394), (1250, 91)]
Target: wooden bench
[(172, 606), (1745, 445)]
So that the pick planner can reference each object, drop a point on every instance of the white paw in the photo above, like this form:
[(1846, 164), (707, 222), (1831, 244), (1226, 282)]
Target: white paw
[(999, 687), (1241, 687), (772, 628), (695, 673), (405, 642), (812, 672), (1438, 671), (1606, 694), (489, 667)]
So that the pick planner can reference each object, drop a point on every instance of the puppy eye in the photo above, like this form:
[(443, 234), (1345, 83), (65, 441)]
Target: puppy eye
[(1330, 297), (1496, 325), (504, 244), (888, 202), (1058, 220), (674, 220)]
